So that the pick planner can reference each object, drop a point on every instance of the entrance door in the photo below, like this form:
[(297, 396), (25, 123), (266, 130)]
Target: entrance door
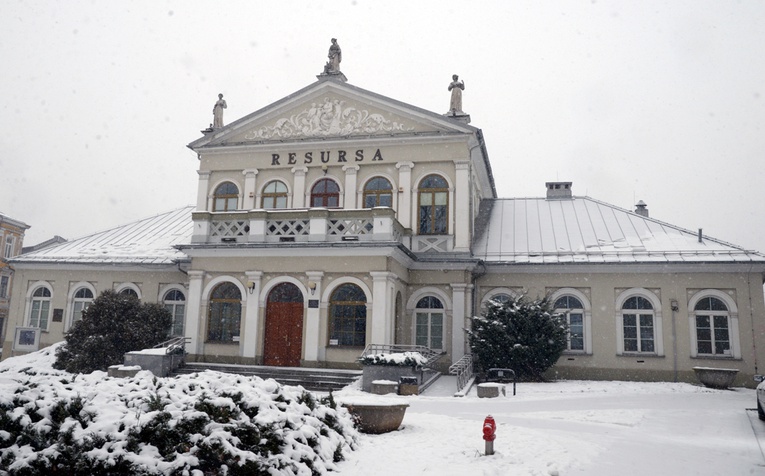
[(284, 326)]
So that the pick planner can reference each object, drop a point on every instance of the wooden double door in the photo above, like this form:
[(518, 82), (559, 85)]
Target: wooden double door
[(283, 345)]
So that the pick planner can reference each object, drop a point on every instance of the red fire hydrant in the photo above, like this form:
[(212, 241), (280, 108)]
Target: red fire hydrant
[(489, 434)]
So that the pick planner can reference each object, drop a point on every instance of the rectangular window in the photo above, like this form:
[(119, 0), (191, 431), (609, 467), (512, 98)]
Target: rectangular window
[(421, 329), (576, 332), (8, 247), (3, 288), (638, 332)]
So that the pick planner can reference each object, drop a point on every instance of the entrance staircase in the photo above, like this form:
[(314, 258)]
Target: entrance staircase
[(321, 380)]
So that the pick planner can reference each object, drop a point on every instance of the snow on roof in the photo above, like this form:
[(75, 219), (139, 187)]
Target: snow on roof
[(147, 241), (584, 230)]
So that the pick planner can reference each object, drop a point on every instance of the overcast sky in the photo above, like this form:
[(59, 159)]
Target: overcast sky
[(646, 100)]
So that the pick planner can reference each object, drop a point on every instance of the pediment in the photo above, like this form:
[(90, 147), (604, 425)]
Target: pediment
[(328, 109)]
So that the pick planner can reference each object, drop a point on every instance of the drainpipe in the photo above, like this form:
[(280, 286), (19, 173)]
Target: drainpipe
[(673, 305)]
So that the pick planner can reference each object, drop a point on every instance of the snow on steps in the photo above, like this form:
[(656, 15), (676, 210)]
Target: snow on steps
[(308, 378)]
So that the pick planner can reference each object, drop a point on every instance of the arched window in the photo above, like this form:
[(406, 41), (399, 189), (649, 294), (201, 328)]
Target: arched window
[(433, 205), (225, 313), (274, 195), (325, 193), (348, 316), (573, 309), (226, 197), (712, 327), (175, 302), (378, 192), (80, 301), (129, 292), (39, 311), (429, 323), (638, 325)]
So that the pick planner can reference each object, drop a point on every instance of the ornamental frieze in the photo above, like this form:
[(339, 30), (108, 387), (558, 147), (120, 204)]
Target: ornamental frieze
[(330, 118)]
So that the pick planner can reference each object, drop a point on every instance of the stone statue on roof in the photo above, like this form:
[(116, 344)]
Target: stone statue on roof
[(220, 105), (455, 104), (335, 56)]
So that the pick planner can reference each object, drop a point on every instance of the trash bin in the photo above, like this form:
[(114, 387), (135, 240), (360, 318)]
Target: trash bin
[(408, 386)]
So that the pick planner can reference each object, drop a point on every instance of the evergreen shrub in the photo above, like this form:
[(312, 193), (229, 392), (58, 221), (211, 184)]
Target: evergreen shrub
[(112, 325), (519, 334)]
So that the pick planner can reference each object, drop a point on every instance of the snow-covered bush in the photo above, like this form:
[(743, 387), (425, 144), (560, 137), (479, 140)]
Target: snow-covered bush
[(401, 359), (519, 334), (111, 326), (201, 424)]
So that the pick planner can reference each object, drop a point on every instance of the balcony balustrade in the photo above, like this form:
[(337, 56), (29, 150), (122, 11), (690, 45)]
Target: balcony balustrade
[(304, 225)]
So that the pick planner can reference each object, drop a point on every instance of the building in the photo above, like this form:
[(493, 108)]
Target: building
[(12, 240), (336, 218)]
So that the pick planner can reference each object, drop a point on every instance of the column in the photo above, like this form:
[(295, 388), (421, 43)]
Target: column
[(250, 337), (202, 190), (350, 186), (405, 197), (298, 187), (459, 301), (383, 315), (313, 316), (193, 312), (250, 179), (462, 223)]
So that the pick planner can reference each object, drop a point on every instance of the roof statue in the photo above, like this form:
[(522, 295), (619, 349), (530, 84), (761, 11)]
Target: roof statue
[(455, 103), (220, 105), (332, 67)]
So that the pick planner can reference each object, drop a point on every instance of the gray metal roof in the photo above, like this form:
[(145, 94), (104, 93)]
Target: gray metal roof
[(584, 230), (147, 241)]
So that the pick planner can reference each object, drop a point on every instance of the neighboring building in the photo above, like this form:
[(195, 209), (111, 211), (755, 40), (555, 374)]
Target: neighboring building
[(11, 242), (337, 217), (45, 244)]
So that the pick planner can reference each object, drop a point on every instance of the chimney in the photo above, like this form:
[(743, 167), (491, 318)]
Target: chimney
[(641, 208), (558, 190)]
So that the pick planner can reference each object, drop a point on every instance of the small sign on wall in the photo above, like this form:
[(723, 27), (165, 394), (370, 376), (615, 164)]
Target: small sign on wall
[(313, 303), (58, 315)]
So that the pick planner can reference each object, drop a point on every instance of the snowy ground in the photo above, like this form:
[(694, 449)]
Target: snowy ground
[(571, 428), (561, 428)]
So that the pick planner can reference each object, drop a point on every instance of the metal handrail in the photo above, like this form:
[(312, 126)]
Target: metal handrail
[(174, 344), (463, 369), (431, 355)]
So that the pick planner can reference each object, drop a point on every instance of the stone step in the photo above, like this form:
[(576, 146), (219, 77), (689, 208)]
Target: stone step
[(308, 378)]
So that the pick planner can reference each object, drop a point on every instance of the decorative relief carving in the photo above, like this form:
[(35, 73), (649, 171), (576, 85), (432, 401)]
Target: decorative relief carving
[(331, 118)]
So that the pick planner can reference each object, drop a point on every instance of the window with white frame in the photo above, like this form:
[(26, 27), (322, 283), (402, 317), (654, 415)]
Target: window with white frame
[(712, 327), (175, 302), (572, 308), (8, 246), (39, 309), (82, 298), (429, 323), (638, 325)]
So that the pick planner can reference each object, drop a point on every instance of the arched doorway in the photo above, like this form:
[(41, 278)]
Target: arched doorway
[(284, 326)]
